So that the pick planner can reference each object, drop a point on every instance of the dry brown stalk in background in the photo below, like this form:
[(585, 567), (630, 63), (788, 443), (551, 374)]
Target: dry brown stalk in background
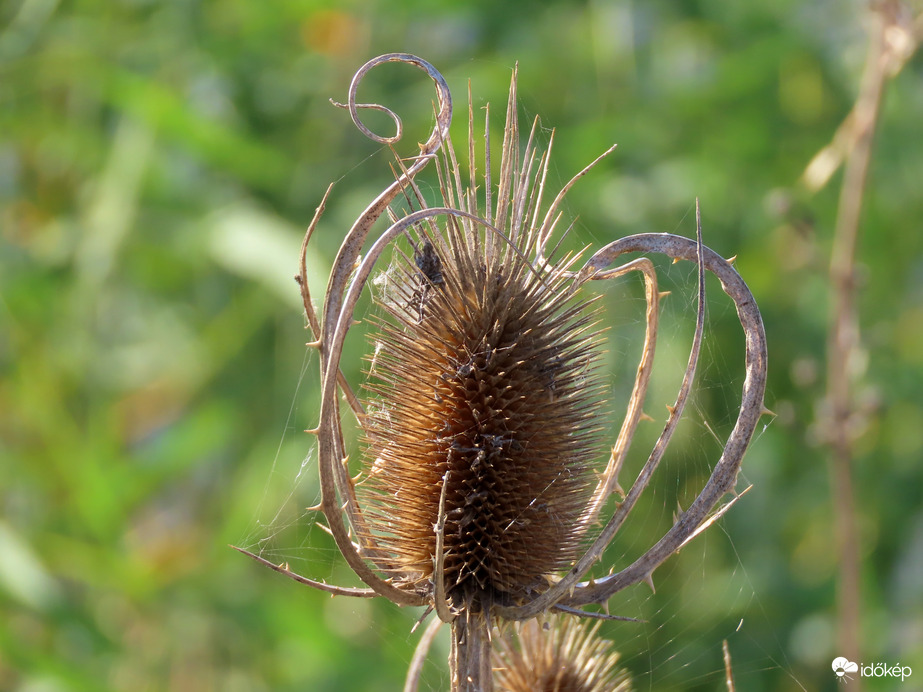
[(893, 39), (728, 668), (477, 496)]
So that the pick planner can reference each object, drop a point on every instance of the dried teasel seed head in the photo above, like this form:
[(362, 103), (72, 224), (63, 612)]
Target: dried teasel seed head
[(560, 654), (483, 380), (484, 406)]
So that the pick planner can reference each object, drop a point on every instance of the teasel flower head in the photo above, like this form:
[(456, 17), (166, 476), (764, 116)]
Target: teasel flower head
[(485, 412), (478, 494), (559, 654)]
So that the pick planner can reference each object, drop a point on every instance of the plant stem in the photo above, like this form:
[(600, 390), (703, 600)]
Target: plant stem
[(470, 656)]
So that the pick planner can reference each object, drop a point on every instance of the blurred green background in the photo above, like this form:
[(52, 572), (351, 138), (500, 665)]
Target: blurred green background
[(158, 164)]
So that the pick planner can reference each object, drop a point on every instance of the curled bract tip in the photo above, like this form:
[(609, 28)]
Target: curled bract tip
[(443, 96)]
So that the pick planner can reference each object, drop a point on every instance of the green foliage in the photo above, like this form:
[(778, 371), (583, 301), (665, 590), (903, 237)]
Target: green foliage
[(158, 162)]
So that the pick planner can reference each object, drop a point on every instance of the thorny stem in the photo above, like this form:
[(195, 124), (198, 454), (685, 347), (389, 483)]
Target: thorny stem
[(470, 657)]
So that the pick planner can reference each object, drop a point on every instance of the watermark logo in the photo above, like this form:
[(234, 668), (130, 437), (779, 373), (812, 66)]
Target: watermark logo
[(842, 667)]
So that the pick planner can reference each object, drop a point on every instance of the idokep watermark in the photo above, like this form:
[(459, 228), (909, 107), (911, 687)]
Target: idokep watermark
[(843, 667)]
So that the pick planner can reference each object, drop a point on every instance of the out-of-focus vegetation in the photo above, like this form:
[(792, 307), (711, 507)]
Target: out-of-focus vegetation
[(158, 163)]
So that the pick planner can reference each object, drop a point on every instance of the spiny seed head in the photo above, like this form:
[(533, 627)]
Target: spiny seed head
[(560, 655), (484, 401), (484, 380)]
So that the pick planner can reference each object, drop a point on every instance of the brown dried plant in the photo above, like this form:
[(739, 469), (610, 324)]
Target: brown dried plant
[(479, 497)]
